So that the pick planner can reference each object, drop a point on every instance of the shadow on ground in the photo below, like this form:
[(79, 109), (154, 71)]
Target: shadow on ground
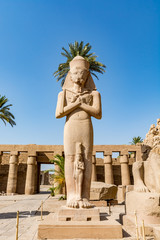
[(23, 214)]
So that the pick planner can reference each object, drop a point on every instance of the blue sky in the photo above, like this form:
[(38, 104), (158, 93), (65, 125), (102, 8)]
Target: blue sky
[(124, 34)]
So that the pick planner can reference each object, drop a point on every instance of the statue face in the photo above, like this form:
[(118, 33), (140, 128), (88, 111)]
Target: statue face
[(79, 75)]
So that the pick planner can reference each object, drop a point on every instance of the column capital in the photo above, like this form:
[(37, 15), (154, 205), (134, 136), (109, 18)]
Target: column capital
[(13, 159), (31, 160), (14, 153), (107, 153), (32, 154), (124, 158), (107, 159)]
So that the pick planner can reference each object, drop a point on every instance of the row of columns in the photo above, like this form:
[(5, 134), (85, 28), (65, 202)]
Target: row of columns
[(30, 175), (108, 169), (31, 169)]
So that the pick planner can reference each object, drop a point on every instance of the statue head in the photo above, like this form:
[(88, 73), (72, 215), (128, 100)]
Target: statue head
[(79, 73), (79, 70)]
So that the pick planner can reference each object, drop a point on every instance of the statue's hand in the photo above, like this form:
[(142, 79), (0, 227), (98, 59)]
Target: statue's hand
[(78, 101)]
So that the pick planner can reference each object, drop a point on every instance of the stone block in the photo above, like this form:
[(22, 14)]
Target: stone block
[(129, 224), (108, 229), (146, 206), (71, 214), (102, 191), (121, 193), (101, 203), (156, 231)]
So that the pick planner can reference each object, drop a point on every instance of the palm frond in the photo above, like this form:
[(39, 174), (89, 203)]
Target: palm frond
[(76, 49), (5, 114)]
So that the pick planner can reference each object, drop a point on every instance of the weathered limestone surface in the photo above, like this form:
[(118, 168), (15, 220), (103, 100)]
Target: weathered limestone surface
[(145, 198), (75, 230), (30, 178), (78, 101), (108, 168), (156, 231), (70, 214), (146, 206), (47, 152), (102, 191), (94, 172), (147, 173), (12, 175), (125, 170)]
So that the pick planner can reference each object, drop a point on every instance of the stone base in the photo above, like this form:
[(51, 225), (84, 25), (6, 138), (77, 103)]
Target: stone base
[(51, 229), (129, 224), (73, 214), (146, 206), (156, 231)]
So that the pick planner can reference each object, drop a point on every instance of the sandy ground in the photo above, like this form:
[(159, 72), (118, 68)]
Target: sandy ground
[(29, 208)]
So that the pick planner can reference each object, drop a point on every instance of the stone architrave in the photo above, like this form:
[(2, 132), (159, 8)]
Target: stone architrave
[(30, 176), (12, 175), (78, 101)]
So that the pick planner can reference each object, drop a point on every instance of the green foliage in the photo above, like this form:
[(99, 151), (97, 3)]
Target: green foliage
[(52, 189), (58, 175), (62, 198), (136, 140), (78, 49), (5, 114)]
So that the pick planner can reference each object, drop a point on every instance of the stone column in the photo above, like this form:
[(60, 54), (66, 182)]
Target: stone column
[(108, 170), (30, 177), (125, 175), (94, 173), (12, 175)]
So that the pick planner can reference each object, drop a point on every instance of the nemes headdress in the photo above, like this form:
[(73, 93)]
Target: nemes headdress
[(79, 62)]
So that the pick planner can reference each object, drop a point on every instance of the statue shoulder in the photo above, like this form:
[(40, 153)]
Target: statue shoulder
[(61, 94), (96, 93)]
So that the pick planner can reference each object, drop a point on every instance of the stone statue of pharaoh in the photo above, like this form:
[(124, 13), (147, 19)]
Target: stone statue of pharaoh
[(79, 101)]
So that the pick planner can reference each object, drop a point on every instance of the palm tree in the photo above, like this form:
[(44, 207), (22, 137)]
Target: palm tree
[(58, 175), (5, 114), (136, 140), (78, 49)]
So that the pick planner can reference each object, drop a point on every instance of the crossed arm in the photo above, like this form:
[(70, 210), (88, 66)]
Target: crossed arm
[(94, 110)]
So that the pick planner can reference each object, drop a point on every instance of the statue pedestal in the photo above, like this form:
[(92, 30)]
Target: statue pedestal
[(78, 223), (146, 206), (73, 214)]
